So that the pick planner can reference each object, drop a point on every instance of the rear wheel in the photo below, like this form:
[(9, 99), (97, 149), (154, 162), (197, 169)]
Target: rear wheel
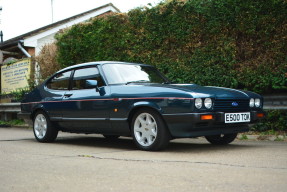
[(149, 131), (221, 139), (43, 130)]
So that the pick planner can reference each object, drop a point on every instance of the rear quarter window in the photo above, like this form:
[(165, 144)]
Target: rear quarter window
[(60, 81)]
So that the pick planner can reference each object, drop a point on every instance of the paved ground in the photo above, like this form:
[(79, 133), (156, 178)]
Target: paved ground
[(91, 163)]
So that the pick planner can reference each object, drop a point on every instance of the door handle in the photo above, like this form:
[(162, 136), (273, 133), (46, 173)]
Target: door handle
[(68, 94)]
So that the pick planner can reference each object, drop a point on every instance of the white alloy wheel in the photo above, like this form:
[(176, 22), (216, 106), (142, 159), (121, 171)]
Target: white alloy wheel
[(40, 126), (43, 128), (145, 129)]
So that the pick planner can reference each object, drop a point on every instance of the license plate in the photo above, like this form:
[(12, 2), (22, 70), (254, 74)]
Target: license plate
[(237, 117)]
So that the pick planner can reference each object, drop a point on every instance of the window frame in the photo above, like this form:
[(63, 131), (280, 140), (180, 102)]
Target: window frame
[(52, 77), (86, 67), (99, 67)]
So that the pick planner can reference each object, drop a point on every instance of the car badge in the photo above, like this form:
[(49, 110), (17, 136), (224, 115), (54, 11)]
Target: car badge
[(234, 104)]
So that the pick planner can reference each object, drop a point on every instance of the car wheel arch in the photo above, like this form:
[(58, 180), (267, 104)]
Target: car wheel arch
[(35, 111), (143, 104), (137, 108)]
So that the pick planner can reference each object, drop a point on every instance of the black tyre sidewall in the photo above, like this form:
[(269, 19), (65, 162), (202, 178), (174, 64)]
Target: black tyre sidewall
[(51, 133), (163, 136)]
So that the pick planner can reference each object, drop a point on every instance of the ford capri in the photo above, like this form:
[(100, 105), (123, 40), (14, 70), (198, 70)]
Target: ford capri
[(135, 100)]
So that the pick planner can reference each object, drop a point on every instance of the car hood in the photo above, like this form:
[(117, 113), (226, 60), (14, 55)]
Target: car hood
[(209, 91)]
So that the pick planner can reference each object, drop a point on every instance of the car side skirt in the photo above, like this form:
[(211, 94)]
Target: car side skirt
[(114, 126)]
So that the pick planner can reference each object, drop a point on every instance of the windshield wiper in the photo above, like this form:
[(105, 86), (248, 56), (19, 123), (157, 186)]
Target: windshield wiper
[(138, 81)]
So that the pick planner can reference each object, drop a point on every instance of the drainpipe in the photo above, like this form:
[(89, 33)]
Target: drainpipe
[(1, 36), (22, 48)]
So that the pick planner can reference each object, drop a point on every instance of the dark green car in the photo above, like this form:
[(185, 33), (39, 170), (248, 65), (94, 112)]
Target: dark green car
[(127, 99)]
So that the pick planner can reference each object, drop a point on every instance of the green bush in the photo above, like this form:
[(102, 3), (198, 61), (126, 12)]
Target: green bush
[(17, 95), (232, 43), (99, 39), (276, 120)]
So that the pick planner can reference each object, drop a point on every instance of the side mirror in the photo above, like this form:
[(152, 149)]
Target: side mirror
[(90, 84)]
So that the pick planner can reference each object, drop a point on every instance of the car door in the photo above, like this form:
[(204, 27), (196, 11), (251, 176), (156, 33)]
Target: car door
[(86, 106)]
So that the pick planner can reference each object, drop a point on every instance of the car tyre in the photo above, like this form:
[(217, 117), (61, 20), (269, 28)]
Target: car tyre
[(43, 130), (223, 139), (149, 130)]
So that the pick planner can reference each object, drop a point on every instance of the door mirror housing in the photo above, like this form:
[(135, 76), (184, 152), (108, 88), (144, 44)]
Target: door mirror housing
[(90, 84)]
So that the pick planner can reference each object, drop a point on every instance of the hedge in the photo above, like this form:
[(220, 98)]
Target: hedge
[(276, 120), (231, 43)]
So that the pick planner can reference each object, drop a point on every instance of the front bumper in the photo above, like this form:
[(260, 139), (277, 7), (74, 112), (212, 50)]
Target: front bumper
[(191, 124)]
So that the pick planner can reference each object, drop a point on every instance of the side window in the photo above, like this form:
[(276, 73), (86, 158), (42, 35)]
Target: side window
[(82, 75), (60, 81)]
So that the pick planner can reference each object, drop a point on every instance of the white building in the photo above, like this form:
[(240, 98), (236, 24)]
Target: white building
[(32, 42)]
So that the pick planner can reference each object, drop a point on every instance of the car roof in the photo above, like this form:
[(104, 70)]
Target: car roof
[(97, 63)]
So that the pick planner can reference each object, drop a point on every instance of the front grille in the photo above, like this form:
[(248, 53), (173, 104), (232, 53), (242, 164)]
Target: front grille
[(225, 105)]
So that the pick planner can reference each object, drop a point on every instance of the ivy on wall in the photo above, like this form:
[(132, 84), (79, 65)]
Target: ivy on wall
[(231, 43)]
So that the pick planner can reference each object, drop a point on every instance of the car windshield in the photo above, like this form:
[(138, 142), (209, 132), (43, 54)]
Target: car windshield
[(126, 73)]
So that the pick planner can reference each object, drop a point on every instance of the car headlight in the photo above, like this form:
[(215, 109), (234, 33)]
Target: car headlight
[(257, 103), (251, 102), (198, 103), (208, 103)]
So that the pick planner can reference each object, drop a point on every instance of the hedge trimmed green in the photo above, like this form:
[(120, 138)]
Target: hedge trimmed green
[(276, 120), (230, 43)]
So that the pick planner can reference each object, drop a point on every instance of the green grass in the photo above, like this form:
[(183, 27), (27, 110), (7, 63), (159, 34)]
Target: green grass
[(13, 122), (243, 137)]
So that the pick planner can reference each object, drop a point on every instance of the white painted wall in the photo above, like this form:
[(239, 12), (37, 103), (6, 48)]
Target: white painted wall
[(45, 37), (40, 39), (43, 41)]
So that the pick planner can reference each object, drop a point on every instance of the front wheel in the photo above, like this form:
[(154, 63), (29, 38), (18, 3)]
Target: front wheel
[(149, 130), (43, 130), (221, 139)]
